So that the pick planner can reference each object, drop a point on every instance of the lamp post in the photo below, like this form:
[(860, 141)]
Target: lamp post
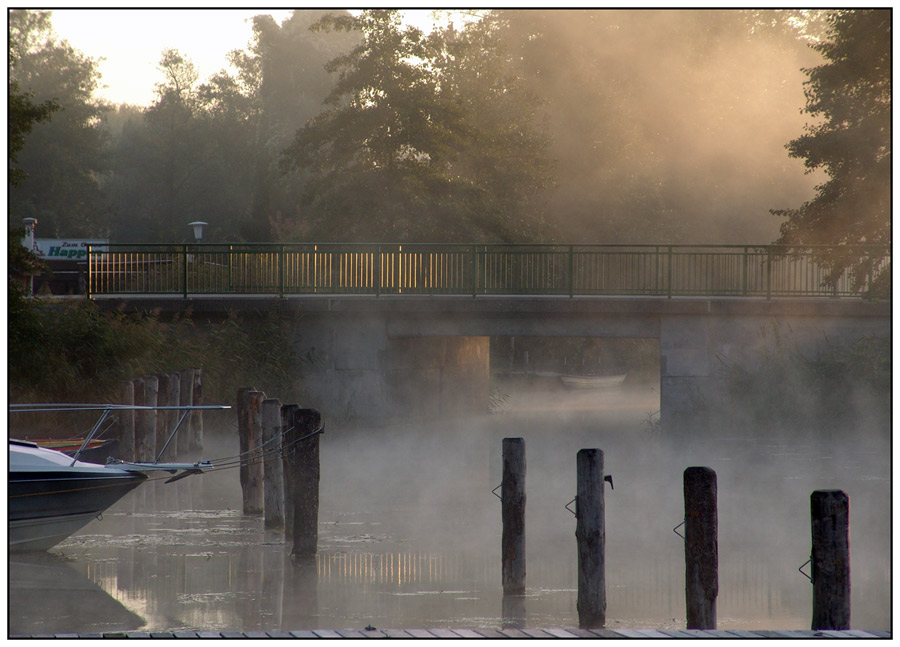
[(29, 245), (198, 226)]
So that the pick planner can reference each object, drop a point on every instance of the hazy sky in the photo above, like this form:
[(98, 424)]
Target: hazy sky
[(131, 40)]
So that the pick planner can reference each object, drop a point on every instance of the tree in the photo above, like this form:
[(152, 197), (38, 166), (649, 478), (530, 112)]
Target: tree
[(208, 150), (24, 113), (424, 140), (283, 72), (64, 158), (668, 125), (851, 95)]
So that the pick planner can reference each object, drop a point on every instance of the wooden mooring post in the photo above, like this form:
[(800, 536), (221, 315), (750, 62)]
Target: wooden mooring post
[(196, 426), (590, 535), (512, 497), (287, 422), (163, 451), (126, 421), (301, 464), (830, 512), (145, 421), (701, 548), (273, 474), (186, 398), (250, 433), (177, 444)]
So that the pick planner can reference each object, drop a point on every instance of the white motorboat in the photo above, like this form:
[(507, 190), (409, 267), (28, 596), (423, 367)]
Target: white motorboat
[(53, 495)]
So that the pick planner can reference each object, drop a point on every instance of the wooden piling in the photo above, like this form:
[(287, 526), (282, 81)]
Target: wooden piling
[(151, 386), (179, 443), (273, 474), (302, 461), (590, 536), (250, 433), (830, 512), (126, 421), (701, 548), (162, 419), (185, 398), (287, 422), (243, 450), (512, 494), (196, 426)]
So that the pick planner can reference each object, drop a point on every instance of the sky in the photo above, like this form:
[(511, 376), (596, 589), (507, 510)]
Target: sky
[(130, 42)]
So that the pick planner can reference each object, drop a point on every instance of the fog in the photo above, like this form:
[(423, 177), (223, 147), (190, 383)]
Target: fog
[(409, 532), (671, 125)]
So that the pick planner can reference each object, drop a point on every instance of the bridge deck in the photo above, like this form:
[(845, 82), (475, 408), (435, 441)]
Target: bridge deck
[(547, 633), (508, 304)]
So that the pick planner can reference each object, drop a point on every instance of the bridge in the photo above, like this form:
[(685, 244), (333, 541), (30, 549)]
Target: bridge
[(403, 327), (286, 269)]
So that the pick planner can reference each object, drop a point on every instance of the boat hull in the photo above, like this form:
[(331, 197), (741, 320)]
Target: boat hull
[(49, 499)]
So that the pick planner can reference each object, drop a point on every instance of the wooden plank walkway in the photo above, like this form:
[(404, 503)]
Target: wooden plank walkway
[(550, 632)]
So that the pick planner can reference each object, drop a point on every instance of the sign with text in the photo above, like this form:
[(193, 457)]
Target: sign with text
[(66, 249)]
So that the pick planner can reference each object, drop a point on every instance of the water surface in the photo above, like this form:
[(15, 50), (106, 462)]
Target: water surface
[(410, 532)]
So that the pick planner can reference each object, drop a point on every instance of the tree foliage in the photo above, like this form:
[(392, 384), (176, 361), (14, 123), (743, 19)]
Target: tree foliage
[(419, 142), (850, 95), (569, 125), (207, 150), (63, 159), (667, 124), (23, 114)]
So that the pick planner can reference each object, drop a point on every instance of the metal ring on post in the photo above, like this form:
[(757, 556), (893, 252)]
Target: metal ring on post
[(809, 577)]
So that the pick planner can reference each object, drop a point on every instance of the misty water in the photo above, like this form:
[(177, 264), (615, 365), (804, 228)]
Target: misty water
[(409, 531)]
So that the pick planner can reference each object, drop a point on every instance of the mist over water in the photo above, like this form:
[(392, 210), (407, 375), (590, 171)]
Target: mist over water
[(409, 532)]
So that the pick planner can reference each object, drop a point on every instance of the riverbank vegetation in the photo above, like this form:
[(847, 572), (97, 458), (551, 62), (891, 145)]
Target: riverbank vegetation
[(69, 351)]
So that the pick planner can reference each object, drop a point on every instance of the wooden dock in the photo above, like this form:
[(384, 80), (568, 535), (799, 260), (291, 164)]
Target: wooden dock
[(552, 632)]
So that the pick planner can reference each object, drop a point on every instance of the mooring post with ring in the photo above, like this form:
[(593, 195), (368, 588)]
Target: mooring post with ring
[(512, 500)]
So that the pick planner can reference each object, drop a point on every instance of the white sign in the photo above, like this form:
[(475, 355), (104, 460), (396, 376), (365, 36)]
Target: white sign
[(54, 249)]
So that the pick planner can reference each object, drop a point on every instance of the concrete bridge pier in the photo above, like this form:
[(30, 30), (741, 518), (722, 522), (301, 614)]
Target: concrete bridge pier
[(363, 374)]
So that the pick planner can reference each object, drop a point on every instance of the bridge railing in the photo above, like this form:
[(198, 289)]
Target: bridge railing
[(569, 270)]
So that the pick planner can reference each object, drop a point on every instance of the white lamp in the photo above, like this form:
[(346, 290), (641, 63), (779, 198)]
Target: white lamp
[(198, 226)]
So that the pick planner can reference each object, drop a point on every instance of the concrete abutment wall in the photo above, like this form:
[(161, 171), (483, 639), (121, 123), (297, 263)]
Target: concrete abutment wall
[(696, 351)]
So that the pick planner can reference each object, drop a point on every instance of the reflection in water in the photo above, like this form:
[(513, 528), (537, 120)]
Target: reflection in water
[(410, 535), (513, 611), (48, 596)]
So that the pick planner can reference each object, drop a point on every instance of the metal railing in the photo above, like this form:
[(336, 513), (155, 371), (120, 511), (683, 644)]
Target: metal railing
[(529, 269)]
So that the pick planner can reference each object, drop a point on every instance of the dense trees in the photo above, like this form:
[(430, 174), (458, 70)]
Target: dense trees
[(209, 150), (63, 158), (23, 114), (851, 95), (428, 138), (581, 125), (668, 124)]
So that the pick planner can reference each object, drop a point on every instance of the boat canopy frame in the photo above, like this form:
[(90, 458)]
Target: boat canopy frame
[(107, 409)]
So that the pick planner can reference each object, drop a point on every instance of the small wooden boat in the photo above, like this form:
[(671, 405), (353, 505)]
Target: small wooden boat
[(96, 451), (585, 382)]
